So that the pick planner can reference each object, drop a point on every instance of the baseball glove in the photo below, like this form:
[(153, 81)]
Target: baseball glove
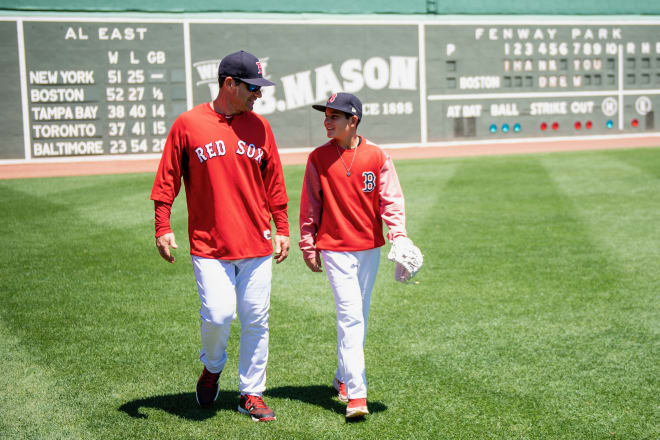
[(407, 257)]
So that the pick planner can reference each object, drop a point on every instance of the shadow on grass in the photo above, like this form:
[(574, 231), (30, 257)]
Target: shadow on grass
[(181, 405), (320, 395), (185, 406)]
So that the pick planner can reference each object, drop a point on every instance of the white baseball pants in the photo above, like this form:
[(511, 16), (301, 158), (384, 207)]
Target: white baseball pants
[(224, 287), (352, 276)]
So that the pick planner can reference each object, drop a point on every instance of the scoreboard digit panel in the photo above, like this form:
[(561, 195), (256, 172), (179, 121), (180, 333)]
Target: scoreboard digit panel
[(538, 80)]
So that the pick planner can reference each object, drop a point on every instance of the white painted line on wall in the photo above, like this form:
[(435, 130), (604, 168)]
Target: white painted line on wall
[(188, 61), (24, 92), (615, 92), (620, 86), (422, 84)]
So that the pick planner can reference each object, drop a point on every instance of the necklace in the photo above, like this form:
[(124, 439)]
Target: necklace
[(348, 169)]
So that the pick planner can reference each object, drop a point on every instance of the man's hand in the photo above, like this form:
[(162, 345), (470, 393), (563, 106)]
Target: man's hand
[(281, 248), (163, 244), (314, 263)]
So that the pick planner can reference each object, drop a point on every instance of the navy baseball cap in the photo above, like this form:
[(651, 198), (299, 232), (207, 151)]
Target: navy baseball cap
[(244, 66), (344, 102)]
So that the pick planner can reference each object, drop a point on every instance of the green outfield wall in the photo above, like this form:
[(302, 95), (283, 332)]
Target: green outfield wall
[(566, 7), (102, 85)]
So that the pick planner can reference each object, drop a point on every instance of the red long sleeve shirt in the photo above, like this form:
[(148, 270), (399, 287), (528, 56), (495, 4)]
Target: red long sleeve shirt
[(346, 213), (233, 182)]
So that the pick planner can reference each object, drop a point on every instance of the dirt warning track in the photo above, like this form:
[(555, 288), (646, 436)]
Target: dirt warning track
[(83, 168)]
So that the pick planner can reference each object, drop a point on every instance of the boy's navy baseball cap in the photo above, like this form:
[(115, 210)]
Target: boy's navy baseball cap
[(344, 102), (244, 66)]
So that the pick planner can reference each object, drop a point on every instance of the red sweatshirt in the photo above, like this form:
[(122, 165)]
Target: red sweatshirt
[(233, 180), (345, 213)]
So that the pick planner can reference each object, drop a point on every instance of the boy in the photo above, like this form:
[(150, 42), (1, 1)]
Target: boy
[(350, 188)]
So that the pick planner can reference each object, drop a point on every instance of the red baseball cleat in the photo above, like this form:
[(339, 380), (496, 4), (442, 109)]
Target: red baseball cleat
[(356, 408), (207, 388), (341, 389), (255, 407)]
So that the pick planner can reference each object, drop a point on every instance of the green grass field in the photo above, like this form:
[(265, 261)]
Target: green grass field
[(536, 315)]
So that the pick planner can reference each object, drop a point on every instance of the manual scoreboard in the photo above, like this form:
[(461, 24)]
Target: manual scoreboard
[(499, 81), (97, 88), (88, 87)]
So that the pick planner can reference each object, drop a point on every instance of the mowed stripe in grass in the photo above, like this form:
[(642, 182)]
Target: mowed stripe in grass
[(81, 294), (520, 307), (534, 316), (30, 405)]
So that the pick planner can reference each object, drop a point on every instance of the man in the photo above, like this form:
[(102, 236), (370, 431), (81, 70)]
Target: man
[(350, 187), (233, 178)]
